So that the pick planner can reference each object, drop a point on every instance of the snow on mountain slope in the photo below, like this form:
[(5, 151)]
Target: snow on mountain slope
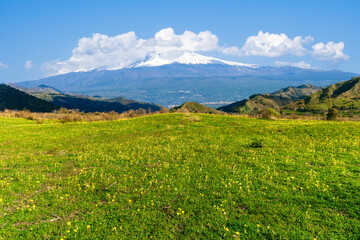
[(160, 59)]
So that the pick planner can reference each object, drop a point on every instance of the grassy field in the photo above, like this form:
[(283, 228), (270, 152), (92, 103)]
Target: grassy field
[(180, 176)]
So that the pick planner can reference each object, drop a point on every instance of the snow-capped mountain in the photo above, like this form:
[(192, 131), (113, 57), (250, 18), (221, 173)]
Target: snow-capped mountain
[(173, 78), (166, 58)]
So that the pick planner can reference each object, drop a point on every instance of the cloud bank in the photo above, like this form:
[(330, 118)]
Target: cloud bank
[(301, 64), (101, 51), (2, 65), (270, 45), (104, 52), (330, 52), (29, 65)]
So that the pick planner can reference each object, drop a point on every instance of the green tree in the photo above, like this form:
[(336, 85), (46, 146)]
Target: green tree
[(332, 114)]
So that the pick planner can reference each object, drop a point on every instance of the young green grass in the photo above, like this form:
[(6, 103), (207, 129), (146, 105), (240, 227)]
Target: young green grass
[(169, 176)]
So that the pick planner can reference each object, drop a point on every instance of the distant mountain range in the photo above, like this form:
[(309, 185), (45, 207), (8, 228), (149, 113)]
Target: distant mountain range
[(170, 80), (86, 103)]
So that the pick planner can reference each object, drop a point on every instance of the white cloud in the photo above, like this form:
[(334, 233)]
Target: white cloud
[(301, 64), (29, 64), (104, 52), (2, 65), (270, 45), (330, 52), (232, 51)]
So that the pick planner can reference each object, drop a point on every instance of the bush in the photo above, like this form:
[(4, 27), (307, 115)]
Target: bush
[(257, 143), (332, 114), (164, 110), (62, 110), (270, 113)]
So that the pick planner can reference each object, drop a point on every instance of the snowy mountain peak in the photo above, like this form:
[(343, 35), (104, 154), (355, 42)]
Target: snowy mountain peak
[(159, 59)]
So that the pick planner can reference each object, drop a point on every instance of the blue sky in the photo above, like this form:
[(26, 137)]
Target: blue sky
[(38, 37)]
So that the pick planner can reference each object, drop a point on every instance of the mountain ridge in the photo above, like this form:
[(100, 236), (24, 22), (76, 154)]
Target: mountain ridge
[(160, 59), (275, 100), (345, 96)]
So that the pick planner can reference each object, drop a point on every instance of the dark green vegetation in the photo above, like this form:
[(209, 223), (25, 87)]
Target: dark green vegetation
[(178, 176), (259, 102), (194, 107), (332, 114), (86, 103), (11, 98), (344, 96), (177, 83)]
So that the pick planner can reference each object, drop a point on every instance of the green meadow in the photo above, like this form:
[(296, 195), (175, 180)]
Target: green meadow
[(180, 176)]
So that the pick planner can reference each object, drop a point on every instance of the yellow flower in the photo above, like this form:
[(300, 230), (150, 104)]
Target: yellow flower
[(69, 223), (237, 233), (88, 226)]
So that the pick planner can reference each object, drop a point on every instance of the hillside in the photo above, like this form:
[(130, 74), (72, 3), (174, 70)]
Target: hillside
[(194, 107), (167, 176), (345, 96), (86, 103), (273, 100), (11, 98)]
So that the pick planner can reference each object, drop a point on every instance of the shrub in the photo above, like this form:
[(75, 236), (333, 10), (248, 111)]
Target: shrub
[(270, 113), (164, 110), (62, 110), (39, 121), (257, 143), (65, 119), (332, 114)]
